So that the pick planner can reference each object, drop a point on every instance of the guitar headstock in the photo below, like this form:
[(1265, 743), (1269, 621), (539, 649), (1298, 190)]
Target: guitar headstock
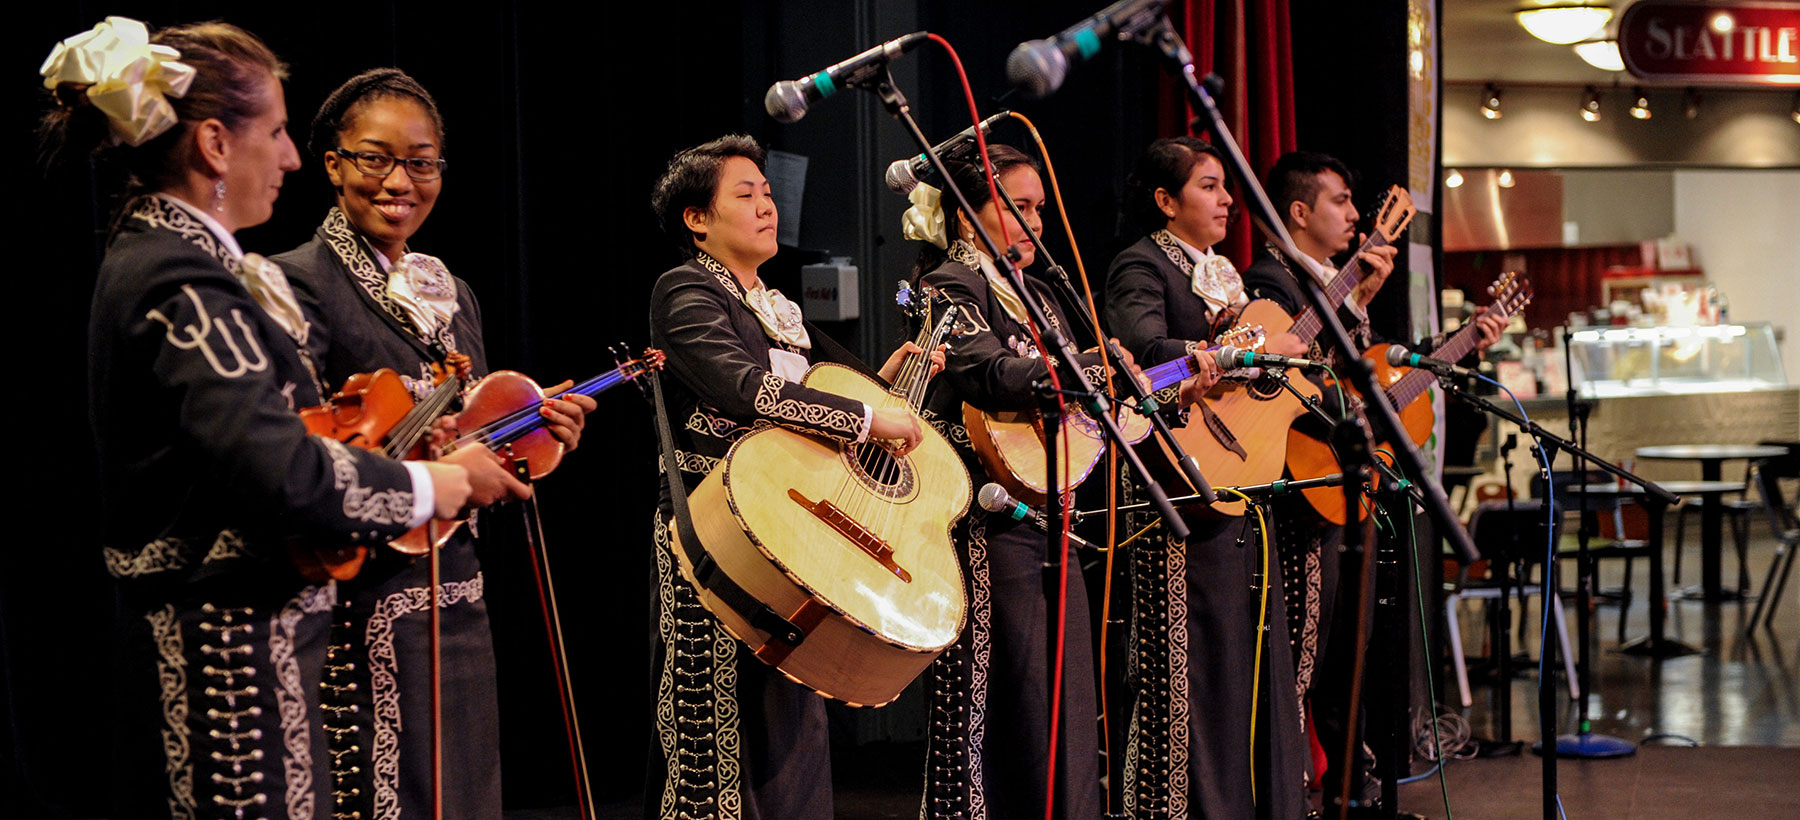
[(1242, 337), (915, 305), (1395, 213), (1510, 293)]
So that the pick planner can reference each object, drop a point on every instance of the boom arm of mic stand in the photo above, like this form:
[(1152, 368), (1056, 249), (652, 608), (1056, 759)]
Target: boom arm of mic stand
[(896, 105), (1165, 40), (1190, 468), (1554, 441)]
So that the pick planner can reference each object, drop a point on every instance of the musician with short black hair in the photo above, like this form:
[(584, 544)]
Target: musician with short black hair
[(734, 737)]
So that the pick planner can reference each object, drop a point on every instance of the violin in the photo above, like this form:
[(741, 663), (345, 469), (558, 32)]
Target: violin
[(376, 411)]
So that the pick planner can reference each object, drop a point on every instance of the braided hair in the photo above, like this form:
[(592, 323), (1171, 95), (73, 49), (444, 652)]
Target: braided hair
[(338, 113)]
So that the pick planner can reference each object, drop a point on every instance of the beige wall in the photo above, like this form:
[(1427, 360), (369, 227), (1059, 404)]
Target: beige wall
[(1542, 129), (1744, 227)]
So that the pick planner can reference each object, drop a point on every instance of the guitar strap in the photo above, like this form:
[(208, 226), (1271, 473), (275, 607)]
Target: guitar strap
[(707, 573), (838, 354)]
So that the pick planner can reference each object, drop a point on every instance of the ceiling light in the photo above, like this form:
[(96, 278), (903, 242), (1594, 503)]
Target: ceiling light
[(1564, 23), (1505, 180), (1641, 108), (1490, 102), (1601, 54), (1454, 179), (1590, 105), (1690, 103)]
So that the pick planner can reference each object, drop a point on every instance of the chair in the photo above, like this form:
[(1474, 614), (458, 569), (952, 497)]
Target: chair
[(1787, 533), (1599, 549), (1495, 530), (1737, 512)]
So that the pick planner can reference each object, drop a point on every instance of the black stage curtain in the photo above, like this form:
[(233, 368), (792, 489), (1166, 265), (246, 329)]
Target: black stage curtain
[(558, 121)]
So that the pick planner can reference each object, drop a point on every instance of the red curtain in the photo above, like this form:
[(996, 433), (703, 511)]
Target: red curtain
[(1246, 42)]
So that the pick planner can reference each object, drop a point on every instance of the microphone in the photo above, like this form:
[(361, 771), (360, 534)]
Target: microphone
[(788, 100), (1401, 357), (1038, 67), (903, 175), (1231, 358), (994, 499)]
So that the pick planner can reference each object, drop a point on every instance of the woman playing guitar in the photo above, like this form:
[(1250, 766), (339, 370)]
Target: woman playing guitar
[(991, 692), (1197, 601)]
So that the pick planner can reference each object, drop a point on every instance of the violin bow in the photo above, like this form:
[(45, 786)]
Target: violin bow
[(546, 588)]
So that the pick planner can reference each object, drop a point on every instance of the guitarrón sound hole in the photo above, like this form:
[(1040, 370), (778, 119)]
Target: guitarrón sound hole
[(878, 470)]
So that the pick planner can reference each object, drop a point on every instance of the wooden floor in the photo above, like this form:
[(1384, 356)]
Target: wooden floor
[(1735, 782), (1719, 730)]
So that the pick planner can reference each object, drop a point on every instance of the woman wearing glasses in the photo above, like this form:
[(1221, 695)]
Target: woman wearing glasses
[(197, 362), (378, 305)]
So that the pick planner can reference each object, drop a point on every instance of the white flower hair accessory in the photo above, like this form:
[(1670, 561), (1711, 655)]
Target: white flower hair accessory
[(925, 219), (123, 75)]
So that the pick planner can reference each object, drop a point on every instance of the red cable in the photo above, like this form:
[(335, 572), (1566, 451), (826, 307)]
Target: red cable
[(1062, 601)]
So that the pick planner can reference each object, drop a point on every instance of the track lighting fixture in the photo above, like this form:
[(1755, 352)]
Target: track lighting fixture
[(1641, 108), (1490, 102), (1590, 104)]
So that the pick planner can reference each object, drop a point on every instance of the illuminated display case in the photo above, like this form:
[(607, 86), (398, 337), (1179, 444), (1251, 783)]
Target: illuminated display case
[(1661, 361)]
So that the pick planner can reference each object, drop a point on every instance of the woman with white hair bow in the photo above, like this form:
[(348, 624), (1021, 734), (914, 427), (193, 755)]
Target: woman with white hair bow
[(209, 479)]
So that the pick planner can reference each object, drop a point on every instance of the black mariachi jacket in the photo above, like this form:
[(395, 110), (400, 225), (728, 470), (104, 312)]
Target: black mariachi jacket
[(204, 464), (718, 384)]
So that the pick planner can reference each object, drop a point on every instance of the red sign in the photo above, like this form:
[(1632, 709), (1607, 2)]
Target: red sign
[(1747, 42)]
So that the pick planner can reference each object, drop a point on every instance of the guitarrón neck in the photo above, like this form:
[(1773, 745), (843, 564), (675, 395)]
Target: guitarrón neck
[(1346, 280), (915, 371)]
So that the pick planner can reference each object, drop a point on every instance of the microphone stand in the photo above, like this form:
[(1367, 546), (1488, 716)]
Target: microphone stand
[(1273, 488), (1096, 402), (1146, 406), (1584, 744), (1351, 436), (1550, 443)]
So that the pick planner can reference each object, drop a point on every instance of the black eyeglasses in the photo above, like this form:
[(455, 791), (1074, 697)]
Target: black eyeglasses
[(421, 169)]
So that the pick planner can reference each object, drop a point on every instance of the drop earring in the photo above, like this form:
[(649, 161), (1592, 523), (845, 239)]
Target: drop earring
[(219, 195)]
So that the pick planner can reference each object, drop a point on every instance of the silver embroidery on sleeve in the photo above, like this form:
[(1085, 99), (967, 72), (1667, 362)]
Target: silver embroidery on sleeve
[(363, 503), (818, 416)]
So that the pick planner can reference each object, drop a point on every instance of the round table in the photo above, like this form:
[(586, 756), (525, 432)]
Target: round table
[(1712, 506), (1657, 644)]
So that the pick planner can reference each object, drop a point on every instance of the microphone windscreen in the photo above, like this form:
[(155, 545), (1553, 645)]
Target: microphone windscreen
[(993, 497), (785, 101), (1036, 67), (900, 177), (1397, 355)]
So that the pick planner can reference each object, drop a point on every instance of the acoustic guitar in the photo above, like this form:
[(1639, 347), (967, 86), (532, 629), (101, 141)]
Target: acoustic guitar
[(1240, 437), (1410, 391), (846, 541)]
